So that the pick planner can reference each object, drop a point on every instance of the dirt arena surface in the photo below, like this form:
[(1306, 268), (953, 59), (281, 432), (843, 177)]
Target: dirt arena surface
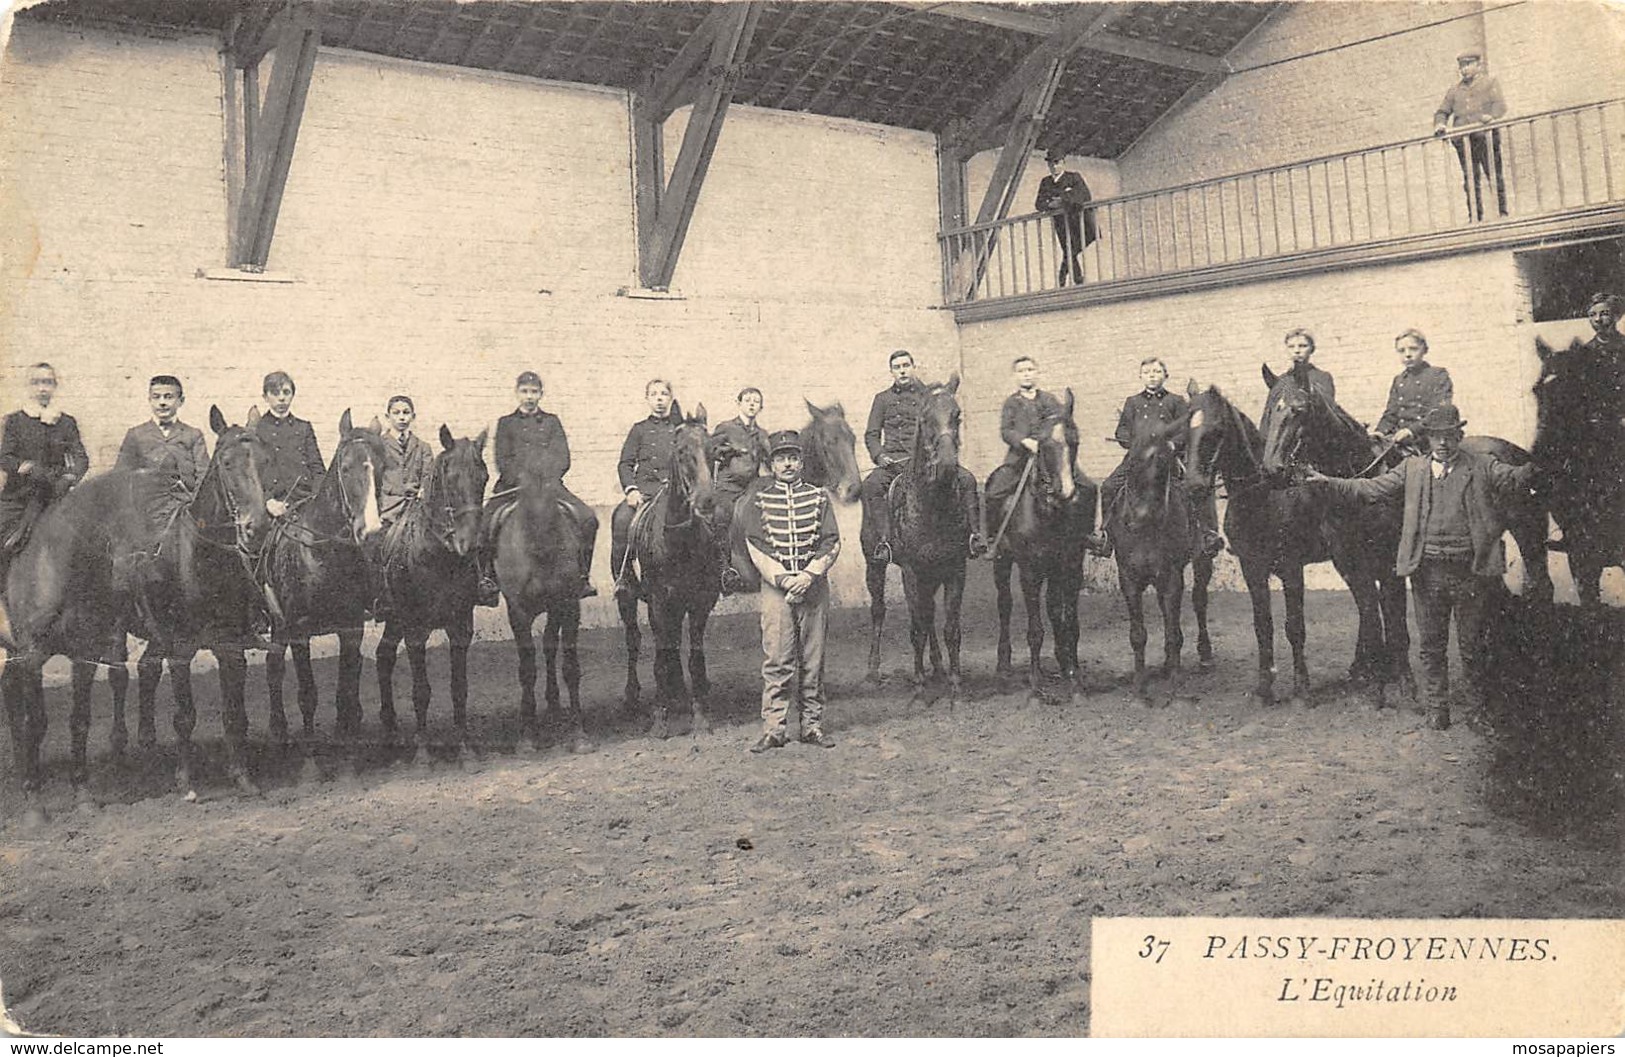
[(933, 874)]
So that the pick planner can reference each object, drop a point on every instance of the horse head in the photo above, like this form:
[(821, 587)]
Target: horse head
[(936, 440), (457, 489), (1286, 423), (830, 452), (1057, 451), (1559, 389), (357, 472), (690, 477), (1209, 414), (235, 471)]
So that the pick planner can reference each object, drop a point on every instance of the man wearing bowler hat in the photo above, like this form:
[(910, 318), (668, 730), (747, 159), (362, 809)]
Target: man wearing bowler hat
[(1064, 194), (1449, 543), (793, 540)]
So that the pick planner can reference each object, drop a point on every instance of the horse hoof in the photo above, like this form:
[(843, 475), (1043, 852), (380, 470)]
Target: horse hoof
[(1036, 698), (874, 678), (83, 802), (1300, 701), (33, 818), (1004, 668), (309, 773), (660, 729), (700, 726), (1205, 663), (582, 746)]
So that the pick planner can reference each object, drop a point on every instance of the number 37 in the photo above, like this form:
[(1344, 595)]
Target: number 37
[(1155, 948)]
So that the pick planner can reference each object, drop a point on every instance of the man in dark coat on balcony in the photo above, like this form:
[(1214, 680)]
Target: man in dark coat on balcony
[(1064, 194), (1474, 101)]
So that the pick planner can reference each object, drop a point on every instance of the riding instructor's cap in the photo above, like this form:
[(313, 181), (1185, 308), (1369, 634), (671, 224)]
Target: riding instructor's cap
[(784, 440), (1443, 419)]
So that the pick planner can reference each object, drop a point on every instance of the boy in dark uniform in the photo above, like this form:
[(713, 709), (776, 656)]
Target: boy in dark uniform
[(41, 458), (1415, 391), (645, 461), (530, 437), (1151, 408), (293, 465), (1300, 345), (1064, 193), (739, 448), (1024, 410), (1449, 544)]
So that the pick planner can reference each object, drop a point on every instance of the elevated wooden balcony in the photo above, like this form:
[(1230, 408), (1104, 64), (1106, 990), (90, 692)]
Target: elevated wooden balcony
[(1560, 173)]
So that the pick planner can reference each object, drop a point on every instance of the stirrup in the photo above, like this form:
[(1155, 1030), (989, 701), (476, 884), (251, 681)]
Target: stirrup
[(882, 555), (490, 592)]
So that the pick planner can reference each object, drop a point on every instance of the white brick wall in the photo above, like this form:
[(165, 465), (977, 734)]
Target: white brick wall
[(447, 229)]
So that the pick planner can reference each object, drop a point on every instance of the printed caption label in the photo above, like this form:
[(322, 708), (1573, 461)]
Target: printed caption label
[(1336, 977)]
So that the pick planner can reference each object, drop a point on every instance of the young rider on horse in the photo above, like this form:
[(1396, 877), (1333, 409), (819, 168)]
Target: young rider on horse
[(1152, 407), (645, 461), (530, 437), (41, 457), (1024, 411), (293, 466), (1300, 345), (1416, 390), (893, 420), (739, 449), (406, 466)]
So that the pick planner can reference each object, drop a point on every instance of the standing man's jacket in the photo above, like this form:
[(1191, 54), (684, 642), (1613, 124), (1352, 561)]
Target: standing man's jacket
[(1490, 481), (1414, 392), (646, 455), (1020, 418), (894, 417), (1069, 195), (535, 440), (293, 464)]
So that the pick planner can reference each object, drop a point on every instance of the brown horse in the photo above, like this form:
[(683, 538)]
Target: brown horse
[(1582, 455), (538, 565), (315, 572), (1152, 525), (1044, 533), (934, 508), (99, 564), (428, 574), (678, 547), (829, 460)]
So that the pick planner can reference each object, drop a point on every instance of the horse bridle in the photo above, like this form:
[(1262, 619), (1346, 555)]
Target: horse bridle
[(309, 536), (241, 539)]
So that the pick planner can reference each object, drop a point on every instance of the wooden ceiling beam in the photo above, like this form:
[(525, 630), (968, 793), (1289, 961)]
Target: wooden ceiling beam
[(524, 27), (271, 134), (1107, 42), (664, 87)]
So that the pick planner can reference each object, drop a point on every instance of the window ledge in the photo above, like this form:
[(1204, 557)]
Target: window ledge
[(640, 293), (238, 275)]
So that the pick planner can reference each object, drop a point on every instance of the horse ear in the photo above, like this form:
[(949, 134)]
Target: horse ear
[(1269, 376), (253, 417), (344, 422), (446, 440), (676, 412), (479, 442), (953, 383), (1191, 388), (376, 426), (217, 421), (1070, 400), (813, 409), (1543, 350), (699, 414)]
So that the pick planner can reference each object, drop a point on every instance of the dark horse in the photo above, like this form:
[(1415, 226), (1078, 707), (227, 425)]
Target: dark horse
[(678, 549), (1152, 525), (1583, 461), (828, 460), (427, 559), (316, 572), (934, 509), (1300, 426), (98, 564), (538, 564), (1276, 531), (1053, 513)]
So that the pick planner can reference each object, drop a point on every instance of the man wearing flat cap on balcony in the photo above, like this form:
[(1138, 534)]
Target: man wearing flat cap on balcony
[(1474, 101), (1064, 194)]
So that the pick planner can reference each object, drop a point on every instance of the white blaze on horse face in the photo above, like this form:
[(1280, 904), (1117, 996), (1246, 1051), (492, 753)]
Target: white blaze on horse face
[(1197, 418), (370, 520)]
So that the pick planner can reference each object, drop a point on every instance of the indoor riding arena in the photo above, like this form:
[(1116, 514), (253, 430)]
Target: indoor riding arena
[(382, 198)]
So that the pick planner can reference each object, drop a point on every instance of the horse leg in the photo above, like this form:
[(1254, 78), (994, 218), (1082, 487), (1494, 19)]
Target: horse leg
[(422, 693), (149, 672), (917, 630), (383, 661), (520, 622), (118, 681), (875, 576), (550, 665), (953, 599), (1134, 599), (459, 633), (1370, 654), (184, 720), (275, 666), (1032, 591), (628, 607), (1062, 603), (928, 595), (20, 717), (1396, 635), (1585, 569), (1001, 585), (84, 678), (699, 678), (347, 702), (1296, 634), (1171, 599), (233, 716), (570, 633), (1201, 577), (665, 635), (1258, 590), (305, 676)]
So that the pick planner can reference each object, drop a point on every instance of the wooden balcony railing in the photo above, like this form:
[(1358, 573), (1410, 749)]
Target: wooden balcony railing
[(1545, 165)]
